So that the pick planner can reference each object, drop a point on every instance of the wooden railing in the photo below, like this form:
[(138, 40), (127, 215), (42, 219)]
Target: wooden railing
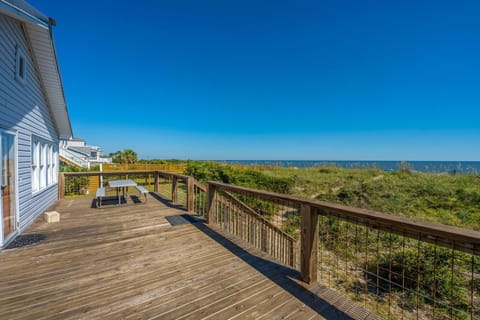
[(244, 220), (394, 266), (178, 188)]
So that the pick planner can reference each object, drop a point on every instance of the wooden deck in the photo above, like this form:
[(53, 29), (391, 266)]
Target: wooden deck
[(128, 262)]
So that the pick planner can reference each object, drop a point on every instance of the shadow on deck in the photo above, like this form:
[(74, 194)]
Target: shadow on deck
[(129, 262)]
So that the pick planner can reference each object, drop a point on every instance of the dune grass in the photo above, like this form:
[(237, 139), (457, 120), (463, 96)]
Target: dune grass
[(448, 199)]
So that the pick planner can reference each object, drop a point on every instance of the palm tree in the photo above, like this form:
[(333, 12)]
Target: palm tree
[(129, 156), (126, 156)]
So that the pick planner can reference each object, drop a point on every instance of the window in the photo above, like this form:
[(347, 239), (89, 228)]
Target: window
[(21, 66), (44, 164)]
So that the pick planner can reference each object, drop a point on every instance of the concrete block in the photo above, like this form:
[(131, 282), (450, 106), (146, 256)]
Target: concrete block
[(51, 216)]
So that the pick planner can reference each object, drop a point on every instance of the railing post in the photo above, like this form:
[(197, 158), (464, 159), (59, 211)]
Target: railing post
[(190, 194), (263, 238), (292, 254), (61, 186), (309, 243), (174, 189), (155, 187), (211, 198)]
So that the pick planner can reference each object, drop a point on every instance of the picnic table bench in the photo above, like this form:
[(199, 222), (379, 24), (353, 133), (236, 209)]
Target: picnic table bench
[(121, 187)]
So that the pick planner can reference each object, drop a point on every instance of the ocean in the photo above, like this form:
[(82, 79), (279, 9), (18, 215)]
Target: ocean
[(451, 167)]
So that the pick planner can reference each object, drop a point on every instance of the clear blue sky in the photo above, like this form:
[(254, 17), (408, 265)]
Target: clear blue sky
[(253, 79)]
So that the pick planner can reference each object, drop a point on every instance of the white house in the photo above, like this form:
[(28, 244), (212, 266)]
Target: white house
[(33, 116), (77, 152)]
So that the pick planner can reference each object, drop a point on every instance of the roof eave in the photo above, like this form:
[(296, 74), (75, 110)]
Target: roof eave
[(19, 13), (39, 26)]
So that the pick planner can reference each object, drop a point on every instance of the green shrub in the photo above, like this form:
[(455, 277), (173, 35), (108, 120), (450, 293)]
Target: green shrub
[(212, 171)]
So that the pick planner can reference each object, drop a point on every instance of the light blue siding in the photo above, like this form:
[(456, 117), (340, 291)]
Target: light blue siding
[(23, 109)]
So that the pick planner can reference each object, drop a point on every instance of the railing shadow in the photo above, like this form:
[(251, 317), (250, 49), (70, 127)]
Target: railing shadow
[(287, 279), (166, 201)]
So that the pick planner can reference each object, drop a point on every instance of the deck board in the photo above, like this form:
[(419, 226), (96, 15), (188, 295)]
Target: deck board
[(128, 262)]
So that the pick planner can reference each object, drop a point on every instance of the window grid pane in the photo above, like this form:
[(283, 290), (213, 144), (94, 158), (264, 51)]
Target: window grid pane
[(44, 165)]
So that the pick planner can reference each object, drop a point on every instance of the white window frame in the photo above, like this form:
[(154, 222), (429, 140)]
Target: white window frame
[(44, 164), (35, 165), (21, 66), (49, 164)]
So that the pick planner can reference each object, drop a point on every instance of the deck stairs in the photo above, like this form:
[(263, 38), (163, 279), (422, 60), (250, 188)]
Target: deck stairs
[(71, 158)]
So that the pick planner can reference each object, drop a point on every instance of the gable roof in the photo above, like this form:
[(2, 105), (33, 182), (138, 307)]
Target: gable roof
[(38, 29)]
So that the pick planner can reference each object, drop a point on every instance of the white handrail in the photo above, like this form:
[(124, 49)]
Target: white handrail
[(70, 156)]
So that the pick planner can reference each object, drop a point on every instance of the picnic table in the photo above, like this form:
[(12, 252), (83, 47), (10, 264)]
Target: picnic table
[(122, 187)]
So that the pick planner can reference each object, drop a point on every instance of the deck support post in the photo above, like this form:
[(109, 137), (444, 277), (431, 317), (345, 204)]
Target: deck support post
[(61, 186), (155, 186), (174, 189), (190, 194), (309, 243), (211, 199)]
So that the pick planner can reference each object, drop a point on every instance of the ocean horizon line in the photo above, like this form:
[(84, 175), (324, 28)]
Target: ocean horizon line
[(452, 167)]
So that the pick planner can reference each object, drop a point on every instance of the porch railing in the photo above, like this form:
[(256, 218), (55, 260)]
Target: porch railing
[(177, 188), (396, 267)]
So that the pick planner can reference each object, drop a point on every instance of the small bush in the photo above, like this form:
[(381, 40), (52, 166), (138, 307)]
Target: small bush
[(212, 171)]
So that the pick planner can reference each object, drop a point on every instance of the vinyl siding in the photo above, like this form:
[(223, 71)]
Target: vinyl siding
[(23, 109)]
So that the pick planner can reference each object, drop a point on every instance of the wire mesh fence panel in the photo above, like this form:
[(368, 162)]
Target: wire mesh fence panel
[(165, 187), (395, 275), (396, 267), (182, 193)]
